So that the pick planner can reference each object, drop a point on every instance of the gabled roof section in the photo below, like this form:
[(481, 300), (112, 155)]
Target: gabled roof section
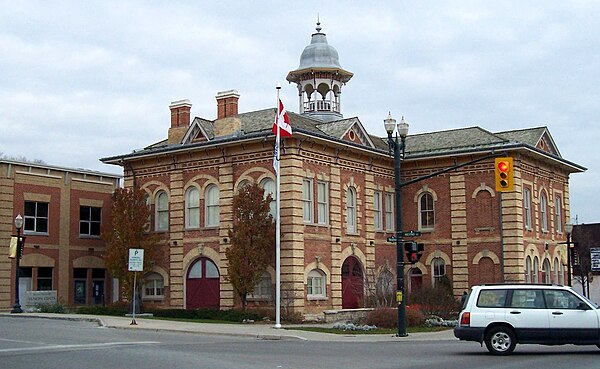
[(350, 129), (538, 137), (200, 130)]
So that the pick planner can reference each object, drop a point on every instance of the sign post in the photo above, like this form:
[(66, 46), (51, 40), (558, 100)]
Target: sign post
[(136, 264)]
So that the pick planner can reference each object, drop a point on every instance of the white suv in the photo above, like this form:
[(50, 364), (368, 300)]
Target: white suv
[(503, 315)]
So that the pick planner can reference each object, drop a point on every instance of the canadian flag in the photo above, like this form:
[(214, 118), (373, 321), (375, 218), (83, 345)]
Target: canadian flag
[(283, 120)]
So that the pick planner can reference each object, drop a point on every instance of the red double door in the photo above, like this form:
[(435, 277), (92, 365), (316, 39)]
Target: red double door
[(203, 285), (352, 283)]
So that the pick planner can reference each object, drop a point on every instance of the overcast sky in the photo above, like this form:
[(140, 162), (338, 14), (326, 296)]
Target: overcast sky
[(81, 80)]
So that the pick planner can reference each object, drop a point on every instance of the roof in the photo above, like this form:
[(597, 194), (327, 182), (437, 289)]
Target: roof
[(258, 124), (42, 165)]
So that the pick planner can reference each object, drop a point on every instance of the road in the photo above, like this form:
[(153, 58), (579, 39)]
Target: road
[(46, 343)]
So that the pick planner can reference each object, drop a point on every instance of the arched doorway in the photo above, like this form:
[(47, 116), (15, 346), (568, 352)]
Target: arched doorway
[(202, 285), (415, 279), (352, 283)]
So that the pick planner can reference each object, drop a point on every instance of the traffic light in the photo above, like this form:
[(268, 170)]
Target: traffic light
[(504, 174), (413, 251)]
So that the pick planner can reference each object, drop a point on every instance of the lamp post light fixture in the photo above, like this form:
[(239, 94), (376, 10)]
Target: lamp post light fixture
[(18, 224), (569, 231), (397, 147)]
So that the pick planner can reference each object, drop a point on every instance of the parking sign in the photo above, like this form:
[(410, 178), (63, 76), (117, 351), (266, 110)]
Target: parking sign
[(136, 260)]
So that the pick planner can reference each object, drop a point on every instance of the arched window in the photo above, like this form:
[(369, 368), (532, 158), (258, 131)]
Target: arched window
[(211, 201), (377, 211), (558, 214), (148, 223), (528, 271), (544, 212), (268, 185), (192, 208), (426, 212), (162, 212), (153, 286), (263, 289), (527, 207), (556, 278), (385, 285), (536, 269), (546, 273), (315, 284), (243, 184), (351, 210), (438, 270)]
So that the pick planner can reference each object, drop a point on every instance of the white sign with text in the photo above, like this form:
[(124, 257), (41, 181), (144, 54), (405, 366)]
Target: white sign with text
[(136, 260)]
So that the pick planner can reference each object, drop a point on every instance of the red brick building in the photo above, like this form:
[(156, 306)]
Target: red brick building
[(63, 211), (337, 196)]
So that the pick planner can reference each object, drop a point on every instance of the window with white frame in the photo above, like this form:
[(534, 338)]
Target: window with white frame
[(544, 212), (438, 270), (307, 200), (192, 208), (89, 221), (556, 278), (536, 268), (162, 212), (315, 285), (322, 202), (268, 185), (377, 211), (263, 289), (154, 286), (426, 212), (558, 214), (36, 217), (211, 204), (389, 212), (527, 207), (148, 224), (528, 271), (546, 273), (351, 210)]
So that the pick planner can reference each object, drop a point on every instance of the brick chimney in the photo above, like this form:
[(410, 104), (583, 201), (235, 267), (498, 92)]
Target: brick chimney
[(227, 103), (180, 120)]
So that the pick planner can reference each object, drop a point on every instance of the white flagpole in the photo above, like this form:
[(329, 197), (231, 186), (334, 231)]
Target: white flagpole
[(278, 223)]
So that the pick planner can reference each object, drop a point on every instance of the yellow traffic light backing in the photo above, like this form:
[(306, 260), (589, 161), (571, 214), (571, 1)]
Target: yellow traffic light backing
[(504, 172)]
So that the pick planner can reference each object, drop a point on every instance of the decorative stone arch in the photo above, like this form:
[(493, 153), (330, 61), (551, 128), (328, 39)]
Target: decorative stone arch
[(422, 190), (438, 254), (483, 187), (531, 250), (159, 186), (266, 175), (486, 254), (88, 262), (347, 252), (560, 255), (422, 267), (162, 272), (201, 251), (37, 260)]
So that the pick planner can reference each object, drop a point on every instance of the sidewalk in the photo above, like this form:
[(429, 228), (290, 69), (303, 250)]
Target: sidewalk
[(258, 330)]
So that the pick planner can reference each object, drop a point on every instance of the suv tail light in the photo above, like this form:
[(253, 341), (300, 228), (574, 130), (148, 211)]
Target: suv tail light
[(465, 319)]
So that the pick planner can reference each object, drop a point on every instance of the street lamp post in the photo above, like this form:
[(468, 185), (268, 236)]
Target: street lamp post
[(398, 148), (568, 231), (18, 224)]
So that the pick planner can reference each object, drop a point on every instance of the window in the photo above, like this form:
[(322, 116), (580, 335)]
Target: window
[(351, 210), (148, 223), (212, 206), (536, 268), (154, 286), (491, 298), (426, 212), (438, 270), (89, 221), (36, 217), (528, 272), (527, 208), (389, 212), (544, 212), (315, 285), (377, 215), (385, 285), (268, 185), (192, 208), (528, 299), (322, 203), (546, 273), (44, 279), (556, 278), (262, 290), (558, 214), (162, 212), (307, 200)]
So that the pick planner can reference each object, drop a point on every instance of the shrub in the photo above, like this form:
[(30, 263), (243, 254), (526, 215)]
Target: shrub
[(117, 309), (436, 300), (388, 317), (52, 308)]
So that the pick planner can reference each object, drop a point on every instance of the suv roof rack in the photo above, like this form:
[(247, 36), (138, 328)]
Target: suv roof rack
[(522, 284)]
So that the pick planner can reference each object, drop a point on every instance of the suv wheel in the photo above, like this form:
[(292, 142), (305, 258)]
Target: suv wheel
[(500, 341)]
